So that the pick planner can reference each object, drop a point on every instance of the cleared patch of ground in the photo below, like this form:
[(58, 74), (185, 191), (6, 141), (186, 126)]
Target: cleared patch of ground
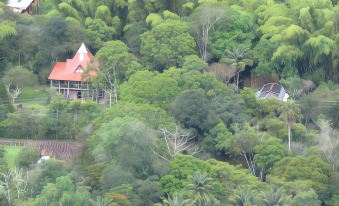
[(11, 152)]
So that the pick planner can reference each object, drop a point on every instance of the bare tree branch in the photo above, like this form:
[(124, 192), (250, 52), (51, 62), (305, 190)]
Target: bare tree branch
[(13, 184), (176, 142), (14, 94)]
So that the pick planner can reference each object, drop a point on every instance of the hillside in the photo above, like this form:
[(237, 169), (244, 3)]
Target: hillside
[(169, 102)]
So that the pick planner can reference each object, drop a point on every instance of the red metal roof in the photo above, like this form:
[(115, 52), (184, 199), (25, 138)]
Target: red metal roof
[(67, 70)]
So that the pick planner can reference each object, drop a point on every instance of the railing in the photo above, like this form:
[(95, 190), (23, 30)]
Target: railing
[(71, 85)]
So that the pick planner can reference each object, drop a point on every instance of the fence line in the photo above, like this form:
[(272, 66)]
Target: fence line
[(62, 150)]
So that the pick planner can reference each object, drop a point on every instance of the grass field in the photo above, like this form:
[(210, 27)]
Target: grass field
[(33, 98), (10, 155), (33, 95)]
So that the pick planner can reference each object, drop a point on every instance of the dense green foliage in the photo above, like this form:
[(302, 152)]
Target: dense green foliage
[(181, 125)]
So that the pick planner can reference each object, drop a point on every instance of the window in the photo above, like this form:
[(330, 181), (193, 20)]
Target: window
[(79, 70), (101, 94)]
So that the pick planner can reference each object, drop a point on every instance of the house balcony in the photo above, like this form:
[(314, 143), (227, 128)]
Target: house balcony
[(71, 85)]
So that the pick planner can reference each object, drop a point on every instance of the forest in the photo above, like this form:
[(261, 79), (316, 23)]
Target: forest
[(183, 125)]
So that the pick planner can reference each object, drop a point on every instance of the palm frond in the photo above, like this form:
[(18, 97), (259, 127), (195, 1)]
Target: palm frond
[(7, 28)]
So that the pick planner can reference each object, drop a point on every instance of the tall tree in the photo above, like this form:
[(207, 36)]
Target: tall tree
[(243, 142), (203, 21), (116, 65), (237, 57), (13, 185), (328, 143), (289, 112)]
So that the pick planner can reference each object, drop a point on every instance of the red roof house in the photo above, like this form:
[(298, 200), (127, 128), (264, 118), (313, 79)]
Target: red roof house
[(72, 69), (68, 76)]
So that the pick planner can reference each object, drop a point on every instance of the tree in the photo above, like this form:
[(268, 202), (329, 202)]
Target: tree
[(13, 185), (243, 143), (203, 20), (176, 142), (237, 30), (74, 106), (175, 200), (167, 44), (150, 115), (306, 197), (272, 197), (54, 34), (116, 66), (7, 28), (223, 72), (320, 49), (15, 79), (57, 105), (19, 77), (62, 192), (14, 94), (267, 154), (24, 124), (130, 143), (237, 57), (328, 144), (310, 168), (27, 157), (289, 111), (98, 32), (200, 187), (244, 196), (222, 179), (103, 13), (192, 62), (152, 88), (216, 139), (193, 110), (46, 172)]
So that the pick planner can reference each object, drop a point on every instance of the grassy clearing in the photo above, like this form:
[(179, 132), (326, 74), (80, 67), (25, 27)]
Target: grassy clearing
[(33, 98), (11, 152), (33, 95)]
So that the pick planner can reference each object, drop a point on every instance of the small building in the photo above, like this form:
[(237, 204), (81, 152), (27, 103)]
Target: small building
[(70, 79), (44, 156), (272, 90), (22, 6)]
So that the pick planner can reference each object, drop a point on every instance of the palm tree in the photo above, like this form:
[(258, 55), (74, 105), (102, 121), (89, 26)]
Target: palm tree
[(272, 198), (200, 186), (175, 200), (289, 112), (237, 57), (7, 29), (244, 197), (206, 202)]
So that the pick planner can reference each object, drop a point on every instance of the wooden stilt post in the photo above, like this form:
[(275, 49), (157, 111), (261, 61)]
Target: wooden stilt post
[(67, 89)]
